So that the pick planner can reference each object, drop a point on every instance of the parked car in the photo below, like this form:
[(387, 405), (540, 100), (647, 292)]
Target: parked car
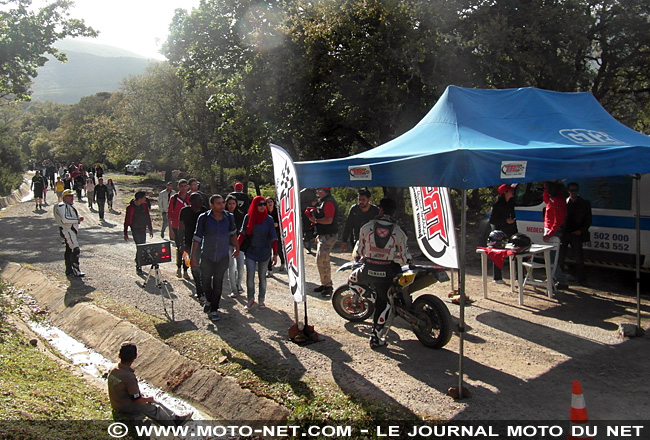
[(138, 166)]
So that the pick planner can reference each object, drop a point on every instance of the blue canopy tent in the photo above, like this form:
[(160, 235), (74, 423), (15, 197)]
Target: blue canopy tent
[(475, 138), (465, 138)]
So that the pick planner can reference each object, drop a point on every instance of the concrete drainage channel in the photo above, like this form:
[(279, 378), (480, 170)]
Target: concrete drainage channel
[(219, 397), (96, 365)]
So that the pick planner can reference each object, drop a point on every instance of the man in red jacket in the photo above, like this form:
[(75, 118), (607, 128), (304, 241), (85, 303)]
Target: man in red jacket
[(554, 215), (177, 202), (138, 219)]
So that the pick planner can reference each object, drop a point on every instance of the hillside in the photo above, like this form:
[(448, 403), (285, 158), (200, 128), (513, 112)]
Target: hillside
[(91, 68)]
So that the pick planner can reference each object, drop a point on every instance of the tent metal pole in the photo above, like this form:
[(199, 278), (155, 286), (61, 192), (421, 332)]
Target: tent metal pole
[(461, 291), (637, 179)]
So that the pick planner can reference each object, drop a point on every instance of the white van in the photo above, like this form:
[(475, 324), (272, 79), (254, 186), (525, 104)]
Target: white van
[(613, 228)]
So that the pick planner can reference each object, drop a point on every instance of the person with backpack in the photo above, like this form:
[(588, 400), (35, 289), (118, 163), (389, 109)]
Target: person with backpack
[(177, 202), (215, 230), (186, 227), (138, 219)]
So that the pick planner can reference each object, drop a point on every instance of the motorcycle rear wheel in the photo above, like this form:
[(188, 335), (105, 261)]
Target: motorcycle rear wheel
[(436, 333), (348, 307)]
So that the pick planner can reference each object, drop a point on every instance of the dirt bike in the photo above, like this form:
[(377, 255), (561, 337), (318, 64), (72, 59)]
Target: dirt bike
[(428, 316)]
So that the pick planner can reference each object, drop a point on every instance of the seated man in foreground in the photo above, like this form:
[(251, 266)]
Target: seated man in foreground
[(127, 401)]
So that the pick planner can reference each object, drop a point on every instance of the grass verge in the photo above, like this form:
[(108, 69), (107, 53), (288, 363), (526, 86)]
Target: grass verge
[(34, 386), (308, 400)]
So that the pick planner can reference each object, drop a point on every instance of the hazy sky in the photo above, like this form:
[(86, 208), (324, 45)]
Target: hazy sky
[(140, 26)]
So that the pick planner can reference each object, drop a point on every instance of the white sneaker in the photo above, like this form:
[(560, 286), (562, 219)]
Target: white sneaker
[(251, 304), (499, 281)]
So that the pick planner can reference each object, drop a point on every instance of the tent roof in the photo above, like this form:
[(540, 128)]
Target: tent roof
[(475, 138)]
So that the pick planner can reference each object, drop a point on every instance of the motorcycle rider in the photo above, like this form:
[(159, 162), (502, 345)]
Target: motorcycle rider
[(383, 249)]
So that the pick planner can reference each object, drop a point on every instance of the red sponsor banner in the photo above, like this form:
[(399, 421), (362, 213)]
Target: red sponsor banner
[(434, 225), (288, 196)]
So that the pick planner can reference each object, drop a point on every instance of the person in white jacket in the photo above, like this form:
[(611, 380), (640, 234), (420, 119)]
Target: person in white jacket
[(383, 249), (68, 218), (163, 204)]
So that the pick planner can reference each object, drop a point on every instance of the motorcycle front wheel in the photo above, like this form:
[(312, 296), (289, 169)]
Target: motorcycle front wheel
[(351, 306), (436, 330)]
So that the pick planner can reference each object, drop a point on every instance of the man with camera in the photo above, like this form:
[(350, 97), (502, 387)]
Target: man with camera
[(324, 217), (138, 219), (68, 219)]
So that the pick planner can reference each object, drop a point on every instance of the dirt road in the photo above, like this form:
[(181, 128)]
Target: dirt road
[(519, 364)]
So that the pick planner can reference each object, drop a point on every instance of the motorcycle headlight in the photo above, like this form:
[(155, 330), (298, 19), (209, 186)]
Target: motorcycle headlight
[(406, 278)]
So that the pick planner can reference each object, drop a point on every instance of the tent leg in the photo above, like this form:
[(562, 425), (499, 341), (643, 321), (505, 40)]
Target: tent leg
[(637, 178), (461, 290)]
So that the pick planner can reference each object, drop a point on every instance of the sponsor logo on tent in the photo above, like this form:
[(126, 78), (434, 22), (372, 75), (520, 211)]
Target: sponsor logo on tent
[(513, 169), (581, 136), (361, 172), (434, 225)]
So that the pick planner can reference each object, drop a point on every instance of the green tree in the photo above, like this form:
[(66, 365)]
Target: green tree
[(325, 79), (26, 36), (39, 120), (87, 131), (171, 122), (565, 45)]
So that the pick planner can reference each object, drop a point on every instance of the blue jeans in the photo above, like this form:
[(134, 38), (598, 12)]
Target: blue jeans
[(259, 267), (235, 270), (212, 273)]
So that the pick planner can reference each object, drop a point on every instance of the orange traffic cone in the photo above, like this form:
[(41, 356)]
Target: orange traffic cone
[(578, 414)]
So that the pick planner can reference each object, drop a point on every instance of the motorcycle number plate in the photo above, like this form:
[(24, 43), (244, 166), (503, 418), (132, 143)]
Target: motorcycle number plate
[(375, 273)]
